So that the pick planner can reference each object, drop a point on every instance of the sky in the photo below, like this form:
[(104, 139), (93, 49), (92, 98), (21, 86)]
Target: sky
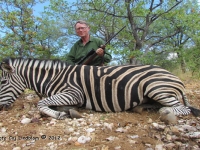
[(39, 8)]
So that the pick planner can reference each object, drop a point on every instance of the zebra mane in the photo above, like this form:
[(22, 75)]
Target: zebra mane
[(53, 61), (47, 62)]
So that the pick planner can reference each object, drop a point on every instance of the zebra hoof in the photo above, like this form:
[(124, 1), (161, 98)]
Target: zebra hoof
[(138, 109), (63, 108), (74, 114), (168, 117), (63, 115)]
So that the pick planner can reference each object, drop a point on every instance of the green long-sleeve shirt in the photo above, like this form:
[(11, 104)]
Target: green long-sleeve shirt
[(78, 51)]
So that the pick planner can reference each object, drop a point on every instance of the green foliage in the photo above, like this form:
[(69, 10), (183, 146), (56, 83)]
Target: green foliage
[(17, 23), (26, 35), (161, 59), (192, 57)]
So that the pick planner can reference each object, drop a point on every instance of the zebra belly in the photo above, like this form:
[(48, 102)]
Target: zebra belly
[(109, 103)]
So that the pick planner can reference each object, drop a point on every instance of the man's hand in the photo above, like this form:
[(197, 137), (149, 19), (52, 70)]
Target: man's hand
[(100, 52)]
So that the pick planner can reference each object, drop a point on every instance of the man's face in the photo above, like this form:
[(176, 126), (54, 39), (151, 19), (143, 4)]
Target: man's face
[(82, 29)]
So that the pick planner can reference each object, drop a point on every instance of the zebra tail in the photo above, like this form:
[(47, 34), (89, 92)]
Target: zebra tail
[(195, 111), (185, 100)]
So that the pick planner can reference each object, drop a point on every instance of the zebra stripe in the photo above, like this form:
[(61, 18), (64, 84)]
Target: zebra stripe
[(107, 88)]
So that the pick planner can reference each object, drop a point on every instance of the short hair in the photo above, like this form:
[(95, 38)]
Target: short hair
[(81, 22)]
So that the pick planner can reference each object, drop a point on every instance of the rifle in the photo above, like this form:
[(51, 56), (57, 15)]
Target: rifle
[(92, 54)]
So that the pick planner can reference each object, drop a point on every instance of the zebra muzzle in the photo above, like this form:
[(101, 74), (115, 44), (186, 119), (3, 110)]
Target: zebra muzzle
[(4, 107)]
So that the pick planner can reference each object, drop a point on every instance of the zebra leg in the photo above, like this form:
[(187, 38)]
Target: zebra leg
[(176, 110), (61, 99), (172, 105)]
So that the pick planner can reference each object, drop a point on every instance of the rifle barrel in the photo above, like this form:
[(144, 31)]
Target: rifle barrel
[(114, 35)]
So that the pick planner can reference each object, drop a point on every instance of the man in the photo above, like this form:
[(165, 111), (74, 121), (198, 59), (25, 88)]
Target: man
[(86, 43)]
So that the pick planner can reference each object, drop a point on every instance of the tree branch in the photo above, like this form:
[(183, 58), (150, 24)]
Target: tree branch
[(157, 16)]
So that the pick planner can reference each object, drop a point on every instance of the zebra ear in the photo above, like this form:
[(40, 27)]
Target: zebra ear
[(7, 68)]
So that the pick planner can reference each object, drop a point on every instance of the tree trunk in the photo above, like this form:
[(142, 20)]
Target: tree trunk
[(182, 62)]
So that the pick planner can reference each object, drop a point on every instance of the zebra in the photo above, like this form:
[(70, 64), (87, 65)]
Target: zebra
[(99, 88)]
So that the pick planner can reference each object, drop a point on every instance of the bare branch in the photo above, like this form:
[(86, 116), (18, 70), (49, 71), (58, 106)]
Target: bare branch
[(159, 15), (160, 40)]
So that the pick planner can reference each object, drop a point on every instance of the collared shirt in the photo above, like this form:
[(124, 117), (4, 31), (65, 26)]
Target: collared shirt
[(78, 51)]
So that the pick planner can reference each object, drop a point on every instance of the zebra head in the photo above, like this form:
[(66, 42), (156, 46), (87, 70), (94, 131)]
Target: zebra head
[(11, 84)]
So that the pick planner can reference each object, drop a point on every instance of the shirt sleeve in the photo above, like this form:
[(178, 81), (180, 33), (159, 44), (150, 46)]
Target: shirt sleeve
[(107, 58), (71, 56)]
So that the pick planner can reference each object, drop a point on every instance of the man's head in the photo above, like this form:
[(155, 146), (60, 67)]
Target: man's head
[(82, 28)]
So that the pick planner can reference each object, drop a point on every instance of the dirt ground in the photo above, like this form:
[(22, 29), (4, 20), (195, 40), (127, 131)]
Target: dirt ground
[(107, 131)]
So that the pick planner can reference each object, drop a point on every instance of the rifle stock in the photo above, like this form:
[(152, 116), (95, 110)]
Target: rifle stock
[(92, 52), (90, 59)]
